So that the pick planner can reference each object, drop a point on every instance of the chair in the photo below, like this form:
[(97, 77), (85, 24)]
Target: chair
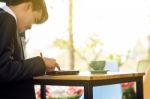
[(108, 91), (144, 66)]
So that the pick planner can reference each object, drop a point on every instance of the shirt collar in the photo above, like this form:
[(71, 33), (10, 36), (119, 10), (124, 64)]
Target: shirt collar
[(8, 10)]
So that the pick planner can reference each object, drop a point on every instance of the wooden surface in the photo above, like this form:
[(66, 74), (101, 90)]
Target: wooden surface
[(88, 76)]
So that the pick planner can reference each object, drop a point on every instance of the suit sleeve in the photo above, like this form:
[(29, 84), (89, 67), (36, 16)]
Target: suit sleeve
[(11, 69)]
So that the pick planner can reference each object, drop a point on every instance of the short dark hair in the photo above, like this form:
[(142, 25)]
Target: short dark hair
[(37, 5)]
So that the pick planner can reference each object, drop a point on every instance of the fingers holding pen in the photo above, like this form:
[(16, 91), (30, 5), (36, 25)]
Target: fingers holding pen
[(51, 63)]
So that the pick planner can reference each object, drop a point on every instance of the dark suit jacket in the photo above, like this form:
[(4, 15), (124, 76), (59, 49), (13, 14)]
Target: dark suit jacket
[(15, 73)]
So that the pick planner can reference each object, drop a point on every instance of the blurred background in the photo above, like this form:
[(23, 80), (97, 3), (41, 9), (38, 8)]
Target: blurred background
[(80, 31)]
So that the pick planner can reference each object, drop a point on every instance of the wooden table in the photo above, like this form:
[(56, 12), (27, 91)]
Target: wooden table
[(88, 81)]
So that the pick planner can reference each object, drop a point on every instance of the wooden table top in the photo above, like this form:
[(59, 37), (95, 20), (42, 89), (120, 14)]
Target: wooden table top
[(88, 76)]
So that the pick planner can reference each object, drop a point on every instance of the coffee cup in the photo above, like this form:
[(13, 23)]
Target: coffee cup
[(97, 65)]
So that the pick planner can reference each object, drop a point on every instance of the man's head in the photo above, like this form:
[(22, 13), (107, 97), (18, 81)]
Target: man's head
[(28, 12)]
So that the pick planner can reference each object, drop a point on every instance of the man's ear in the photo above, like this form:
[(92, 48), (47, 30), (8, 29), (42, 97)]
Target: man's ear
[(28, 6)]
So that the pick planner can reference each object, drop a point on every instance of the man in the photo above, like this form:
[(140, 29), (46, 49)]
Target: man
[(16, 73)]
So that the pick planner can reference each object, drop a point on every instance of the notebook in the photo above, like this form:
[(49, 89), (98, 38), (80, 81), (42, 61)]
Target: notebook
[(63, 72)]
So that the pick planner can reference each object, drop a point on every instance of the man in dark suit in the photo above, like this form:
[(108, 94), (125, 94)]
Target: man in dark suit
[(16, 73)]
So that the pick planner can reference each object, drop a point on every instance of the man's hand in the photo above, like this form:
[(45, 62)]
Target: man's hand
[(51, 63)]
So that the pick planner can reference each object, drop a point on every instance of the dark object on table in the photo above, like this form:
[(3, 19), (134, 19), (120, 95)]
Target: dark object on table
[(63, 72)]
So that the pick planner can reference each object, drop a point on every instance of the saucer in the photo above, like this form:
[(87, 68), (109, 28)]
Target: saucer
[(99, 71)]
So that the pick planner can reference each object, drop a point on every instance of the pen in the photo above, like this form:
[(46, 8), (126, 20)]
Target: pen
[(41, 54), (58, 68)]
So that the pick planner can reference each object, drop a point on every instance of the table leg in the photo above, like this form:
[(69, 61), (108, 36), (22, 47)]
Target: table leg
[(43, 92), (88, 92), (139, 88)]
